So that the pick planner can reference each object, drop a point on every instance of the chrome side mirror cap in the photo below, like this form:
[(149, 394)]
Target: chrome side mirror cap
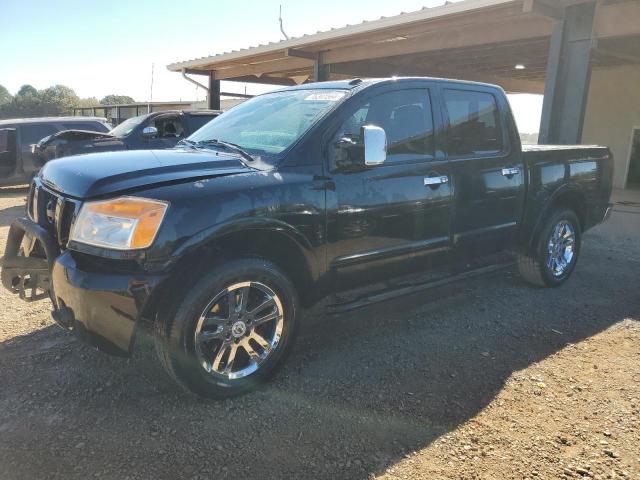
[(375, 145), (149, 132)]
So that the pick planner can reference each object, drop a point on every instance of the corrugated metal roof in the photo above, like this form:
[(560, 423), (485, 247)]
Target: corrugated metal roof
[(307, 40)]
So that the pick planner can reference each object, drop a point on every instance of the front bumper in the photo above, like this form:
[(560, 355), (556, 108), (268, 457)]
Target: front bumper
[(102, 308), (101, 305)]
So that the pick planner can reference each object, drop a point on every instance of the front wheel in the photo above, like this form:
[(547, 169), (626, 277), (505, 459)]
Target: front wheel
[(232, 330), (556, 252)]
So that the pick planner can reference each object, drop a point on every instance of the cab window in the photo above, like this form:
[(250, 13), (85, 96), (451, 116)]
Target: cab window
[(474, 123), (406, 117), (169, 126), (31, 133), (90, 126)]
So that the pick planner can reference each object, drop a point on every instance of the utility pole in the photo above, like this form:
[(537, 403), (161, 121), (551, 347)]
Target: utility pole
[(151, 92)]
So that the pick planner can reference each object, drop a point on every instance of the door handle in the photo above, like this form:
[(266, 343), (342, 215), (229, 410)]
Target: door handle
[(439, 180), (510, 171)]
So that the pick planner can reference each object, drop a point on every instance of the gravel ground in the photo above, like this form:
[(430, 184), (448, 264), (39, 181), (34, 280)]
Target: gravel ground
[(487, 379)]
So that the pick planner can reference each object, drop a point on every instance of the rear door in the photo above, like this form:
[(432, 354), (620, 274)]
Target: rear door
[(486, 168), (8, 153), (390, 219)]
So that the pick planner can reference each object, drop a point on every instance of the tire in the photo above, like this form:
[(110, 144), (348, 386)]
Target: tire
[(537, 267), (229, 295)]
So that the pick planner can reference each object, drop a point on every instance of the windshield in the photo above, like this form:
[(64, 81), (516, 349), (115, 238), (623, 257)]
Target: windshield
[(126, 127), (271, 123)]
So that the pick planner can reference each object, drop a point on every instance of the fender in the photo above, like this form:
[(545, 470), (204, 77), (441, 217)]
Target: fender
[(531, 230), (219, 231)]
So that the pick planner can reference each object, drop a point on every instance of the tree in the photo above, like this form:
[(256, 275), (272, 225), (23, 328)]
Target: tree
[(58, 100), (5, 96), (88, 102), (116, 100), (26, 103), (26, 90), (29, 102)]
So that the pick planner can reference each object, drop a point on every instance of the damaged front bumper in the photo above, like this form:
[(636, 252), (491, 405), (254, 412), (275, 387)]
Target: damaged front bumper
[(28, 276), (102, 307)]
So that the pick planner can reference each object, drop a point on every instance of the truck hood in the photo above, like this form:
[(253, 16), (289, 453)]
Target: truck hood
[(98, 174), (75, 135)]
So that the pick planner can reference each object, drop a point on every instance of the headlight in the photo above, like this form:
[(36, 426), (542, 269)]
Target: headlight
[(124, 223)]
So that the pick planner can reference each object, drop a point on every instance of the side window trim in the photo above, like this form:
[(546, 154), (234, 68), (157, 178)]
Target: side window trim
[(506, 142)]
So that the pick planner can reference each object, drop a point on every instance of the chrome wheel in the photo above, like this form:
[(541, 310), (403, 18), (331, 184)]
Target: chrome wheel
[(238, 330), (561, 248)]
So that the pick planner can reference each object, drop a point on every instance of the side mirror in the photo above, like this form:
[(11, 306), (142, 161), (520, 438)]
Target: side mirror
[(375, 145), (149, 132)]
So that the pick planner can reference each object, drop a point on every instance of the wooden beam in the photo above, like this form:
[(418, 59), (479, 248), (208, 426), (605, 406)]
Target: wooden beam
[(383, 69), (264, 80), (538, 7), (292, 52), (263, 68), (473, 35), (625, 57), (618, 20), (413, 29)]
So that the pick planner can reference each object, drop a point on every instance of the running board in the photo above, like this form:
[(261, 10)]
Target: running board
[(408, 289)]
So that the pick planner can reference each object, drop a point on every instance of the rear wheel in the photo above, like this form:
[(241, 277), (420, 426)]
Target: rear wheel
[(556, 253), (232, 330)]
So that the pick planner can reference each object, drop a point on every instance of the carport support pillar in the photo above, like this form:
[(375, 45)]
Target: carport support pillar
[(568, 75), (321, 71), (214, 93)]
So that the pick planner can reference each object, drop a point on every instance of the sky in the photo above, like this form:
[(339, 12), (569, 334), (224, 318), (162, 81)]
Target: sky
[(101, 48)]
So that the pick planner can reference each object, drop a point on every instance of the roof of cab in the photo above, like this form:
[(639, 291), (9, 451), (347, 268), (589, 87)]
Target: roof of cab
[(14, 121), (361, 83)]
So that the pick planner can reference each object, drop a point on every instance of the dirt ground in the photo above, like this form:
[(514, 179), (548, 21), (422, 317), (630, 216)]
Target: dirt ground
[(490, 379)]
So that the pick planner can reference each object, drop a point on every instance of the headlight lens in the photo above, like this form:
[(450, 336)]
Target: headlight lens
[(124, 223)]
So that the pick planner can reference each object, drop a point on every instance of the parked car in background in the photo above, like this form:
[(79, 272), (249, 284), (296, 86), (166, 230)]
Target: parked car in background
[(18, 138), (364, 189), (154, 131)]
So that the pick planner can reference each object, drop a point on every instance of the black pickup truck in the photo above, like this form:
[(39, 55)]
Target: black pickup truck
[(316, 191), (19, 136), (152, 131)]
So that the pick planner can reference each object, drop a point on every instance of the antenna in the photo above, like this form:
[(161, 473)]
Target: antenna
[(281, 27), (151, 92)]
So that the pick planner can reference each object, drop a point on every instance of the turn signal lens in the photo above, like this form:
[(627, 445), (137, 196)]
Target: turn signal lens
[(124, 223)]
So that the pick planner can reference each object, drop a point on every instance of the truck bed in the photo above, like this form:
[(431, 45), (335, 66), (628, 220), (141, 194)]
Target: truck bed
[(553, 169)]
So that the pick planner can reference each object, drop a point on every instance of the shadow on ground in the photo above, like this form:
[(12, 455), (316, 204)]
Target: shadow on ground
[(359, 391)]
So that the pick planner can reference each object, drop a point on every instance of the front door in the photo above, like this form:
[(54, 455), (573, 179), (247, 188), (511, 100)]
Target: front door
[(487, 169), (395, 217)]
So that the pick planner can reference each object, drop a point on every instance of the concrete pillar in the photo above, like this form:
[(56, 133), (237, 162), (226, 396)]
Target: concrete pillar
[(568, 75), (214, 93), (321, 71)]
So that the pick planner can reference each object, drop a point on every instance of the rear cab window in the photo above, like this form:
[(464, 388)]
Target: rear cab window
[(32, 133), (90, 126), (196, 121), (475, 126)]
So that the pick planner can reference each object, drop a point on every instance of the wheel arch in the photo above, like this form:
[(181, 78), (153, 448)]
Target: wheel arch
[(274, 241), (570, 196)]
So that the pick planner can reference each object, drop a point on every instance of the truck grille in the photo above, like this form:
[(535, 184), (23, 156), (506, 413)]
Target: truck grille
[(52, 211)]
